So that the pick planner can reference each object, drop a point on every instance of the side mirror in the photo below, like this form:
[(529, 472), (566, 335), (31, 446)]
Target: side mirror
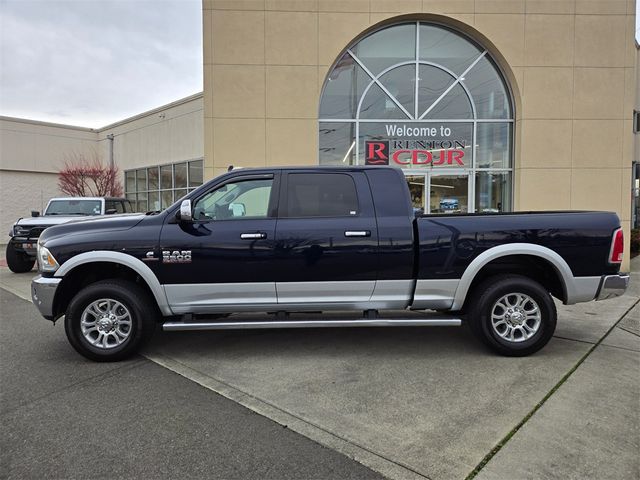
[(35, 213), (111, 211), (184, 214)]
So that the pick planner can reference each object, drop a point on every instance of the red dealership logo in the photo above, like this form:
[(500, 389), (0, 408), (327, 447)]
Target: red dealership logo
[(376, 153)]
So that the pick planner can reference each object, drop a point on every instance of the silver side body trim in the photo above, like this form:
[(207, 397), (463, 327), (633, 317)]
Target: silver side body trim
[(575, 291), (434, 294), (289, 296), (221, 297), (394, 294), (122, 258), (321, 292), (585, 289), (284, 307), (432, 322)]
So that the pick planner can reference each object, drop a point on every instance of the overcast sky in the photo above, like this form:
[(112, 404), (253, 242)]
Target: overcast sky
[(94, 62)]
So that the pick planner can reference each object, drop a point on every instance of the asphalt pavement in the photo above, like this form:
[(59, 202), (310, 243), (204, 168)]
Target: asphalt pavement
[(65, 417)]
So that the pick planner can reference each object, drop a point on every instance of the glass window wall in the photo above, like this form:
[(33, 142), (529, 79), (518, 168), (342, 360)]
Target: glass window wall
[(155, 188), (427, 99)]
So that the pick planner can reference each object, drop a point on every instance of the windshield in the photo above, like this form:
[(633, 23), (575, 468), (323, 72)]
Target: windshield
[(74, 207)]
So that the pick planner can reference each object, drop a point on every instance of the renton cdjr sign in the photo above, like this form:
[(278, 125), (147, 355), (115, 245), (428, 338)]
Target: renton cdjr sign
[(432, 148), (414, 152)]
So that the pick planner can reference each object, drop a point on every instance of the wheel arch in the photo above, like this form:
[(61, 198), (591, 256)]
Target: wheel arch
[(536, 253), (103, 265)]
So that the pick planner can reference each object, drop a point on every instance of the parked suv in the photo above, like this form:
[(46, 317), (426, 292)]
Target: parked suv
[(21, 249)]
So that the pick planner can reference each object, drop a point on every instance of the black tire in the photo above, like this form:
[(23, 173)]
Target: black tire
[(484, 300), (142, 312), (18, 262)]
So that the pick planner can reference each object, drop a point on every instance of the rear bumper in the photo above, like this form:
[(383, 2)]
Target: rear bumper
[(612, 286), (43, 291)]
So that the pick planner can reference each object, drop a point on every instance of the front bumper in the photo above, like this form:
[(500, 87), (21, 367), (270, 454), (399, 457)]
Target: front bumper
[(26, 245), (612, 286), (43, 291)]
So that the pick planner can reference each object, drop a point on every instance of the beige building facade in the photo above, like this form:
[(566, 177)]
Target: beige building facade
[(569, 68)]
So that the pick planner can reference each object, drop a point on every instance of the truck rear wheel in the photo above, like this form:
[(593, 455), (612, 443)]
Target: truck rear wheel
[(18, 262), (512, 314), (110, 320)]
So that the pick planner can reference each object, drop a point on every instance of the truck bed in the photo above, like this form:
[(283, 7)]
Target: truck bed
[(448, 243)]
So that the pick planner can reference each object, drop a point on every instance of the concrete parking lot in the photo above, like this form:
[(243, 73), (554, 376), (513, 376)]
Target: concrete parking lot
[(406, 403)]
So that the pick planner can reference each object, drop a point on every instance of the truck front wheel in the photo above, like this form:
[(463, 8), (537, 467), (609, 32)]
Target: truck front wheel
[(110, 320), (18, 262), (512, 314)]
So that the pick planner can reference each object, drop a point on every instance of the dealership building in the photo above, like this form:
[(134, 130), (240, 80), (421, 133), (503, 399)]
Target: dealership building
[(485, 105)]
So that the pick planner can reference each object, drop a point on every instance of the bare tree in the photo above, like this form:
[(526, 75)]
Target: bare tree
[(87, 176)]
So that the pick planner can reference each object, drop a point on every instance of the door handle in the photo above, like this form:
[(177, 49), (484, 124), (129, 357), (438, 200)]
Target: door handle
[(357, 233), (253, 236)]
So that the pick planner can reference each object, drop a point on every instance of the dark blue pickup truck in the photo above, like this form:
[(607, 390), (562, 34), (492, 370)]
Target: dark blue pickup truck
[(286, 241)]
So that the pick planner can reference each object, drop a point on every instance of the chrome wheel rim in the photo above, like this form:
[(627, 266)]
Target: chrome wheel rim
[(516, 317), (106, 323)]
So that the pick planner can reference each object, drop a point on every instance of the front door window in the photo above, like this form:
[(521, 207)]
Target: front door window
[(248, 198)]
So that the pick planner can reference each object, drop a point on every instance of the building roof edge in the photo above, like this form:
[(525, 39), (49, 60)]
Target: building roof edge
[(47, 124), (175, 103)]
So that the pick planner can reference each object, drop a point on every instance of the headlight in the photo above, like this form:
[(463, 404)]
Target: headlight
[(21, 231), (46, 261)]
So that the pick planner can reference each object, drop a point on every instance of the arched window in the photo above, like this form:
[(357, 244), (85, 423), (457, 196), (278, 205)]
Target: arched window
[(431, 101)]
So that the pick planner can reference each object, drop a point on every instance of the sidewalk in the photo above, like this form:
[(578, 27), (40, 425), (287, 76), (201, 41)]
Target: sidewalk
[(588, 428)]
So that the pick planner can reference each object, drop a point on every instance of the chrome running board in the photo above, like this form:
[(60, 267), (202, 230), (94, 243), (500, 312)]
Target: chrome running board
[(378, 322)]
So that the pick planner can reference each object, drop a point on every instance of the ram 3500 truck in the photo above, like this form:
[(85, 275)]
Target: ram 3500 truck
[(290, 240)]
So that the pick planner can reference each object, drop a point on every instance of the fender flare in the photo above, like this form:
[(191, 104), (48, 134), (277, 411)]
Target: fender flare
[(559, 264), (123, 259)]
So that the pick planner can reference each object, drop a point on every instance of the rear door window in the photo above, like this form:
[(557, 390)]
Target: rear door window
[(320, 195)]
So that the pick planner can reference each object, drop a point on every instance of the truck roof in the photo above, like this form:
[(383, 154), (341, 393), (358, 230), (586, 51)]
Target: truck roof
[(316, 167)]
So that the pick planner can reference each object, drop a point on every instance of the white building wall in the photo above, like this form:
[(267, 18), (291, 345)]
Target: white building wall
[(20, 193), (31, 146), (171, 133), (32, 152)]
